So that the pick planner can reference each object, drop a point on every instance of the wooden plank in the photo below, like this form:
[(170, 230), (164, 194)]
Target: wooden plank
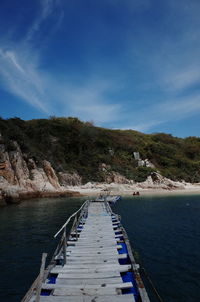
[(110, 298), (97, 240), (83, 266), (96, 244), (93, 261), (98, 281), (91, 257), (120, 285), (94, 269), (93, 248), (81, 235), (84, 291), (97, 253), (100, 231), (89, 234), (79, 275), (91, 270), (92, 289)]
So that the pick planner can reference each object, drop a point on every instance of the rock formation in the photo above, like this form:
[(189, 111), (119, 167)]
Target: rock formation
[(112, 176), (67, 179), (157, 181), (21, 178)]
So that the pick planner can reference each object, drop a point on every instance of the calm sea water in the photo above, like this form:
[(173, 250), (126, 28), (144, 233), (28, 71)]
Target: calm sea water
[(165, 231)]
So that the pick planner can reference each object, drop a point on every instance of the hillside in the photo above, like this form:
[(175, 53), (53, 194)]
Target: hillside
[(93, 152)]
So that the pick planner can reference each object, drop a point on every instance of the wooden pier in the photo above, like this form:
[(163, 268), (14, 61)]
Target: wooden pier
[(93, 264)]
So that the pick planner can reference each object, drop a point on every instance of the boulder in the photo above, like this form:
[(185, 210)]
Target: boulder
[(11, 194), (69, 179), (156, 180)]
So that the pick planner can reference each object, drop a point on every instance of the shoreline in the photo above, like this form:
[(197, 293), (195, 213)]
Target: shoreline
[(29, 195), (94, 190), (191, 190)]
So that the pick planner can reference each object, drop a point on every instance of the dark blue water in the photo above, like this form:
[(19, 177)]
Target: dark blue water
[(165, 231)]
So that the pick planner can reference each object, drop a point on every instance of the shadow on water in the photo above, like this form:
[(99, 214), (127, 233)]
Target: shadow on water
[(165, 231)]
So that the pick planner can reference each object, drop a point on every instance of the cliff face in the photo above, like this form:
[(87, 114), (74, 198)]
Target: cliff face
[(20, 177)]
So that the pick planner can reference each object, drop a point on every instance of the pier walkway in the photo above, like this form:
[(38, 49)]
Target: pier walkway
[(95, 263)]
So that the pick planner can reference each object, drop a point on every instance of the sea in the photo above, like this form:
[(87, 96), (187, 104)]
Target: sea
[(164, 231)]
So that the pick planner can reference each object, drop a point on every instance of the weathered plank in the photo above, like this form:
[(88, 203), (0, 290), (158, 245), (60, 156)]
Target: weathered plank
[(83, 266), (74, 287), (99, 281), (95, 251), (94, 260), (79, 275), (110, 298), (85, 244), (95, 269), (91, 257), (90, 248), (84, 291)]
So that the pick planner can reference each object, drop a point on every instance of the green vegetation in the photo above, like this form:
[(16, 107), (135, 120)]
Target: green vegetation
[(72, 145)]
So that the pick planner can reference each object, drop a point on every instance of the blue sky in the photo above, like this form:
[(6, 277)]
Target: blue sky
[(128, 64)]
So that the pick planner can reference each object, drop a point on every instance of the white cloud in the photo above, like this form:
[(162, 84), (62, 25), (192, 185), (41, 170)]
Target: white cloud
[(88, 101), (21, 78), (179, 108), (46, 9), (142, 126), (21, 75), (169, 110), (182, 80), (20, 72), (11, 56)]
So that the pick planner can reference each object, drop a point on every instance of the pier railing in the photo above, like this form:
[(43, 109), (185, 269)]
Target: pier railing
[(61, 248), (85, 204), (78, 215)]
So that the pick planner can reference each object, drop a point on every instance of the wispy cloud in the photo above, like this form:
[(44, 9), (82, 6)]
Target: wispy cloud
[(142, 127), (20, 72), (166, 111), (46, 9), (21, 78), (90, 101), (180, 80)]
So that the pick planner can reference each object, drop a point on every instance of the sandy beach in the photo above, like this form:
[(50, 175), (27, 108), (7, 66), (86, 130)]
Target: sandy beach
[(95, 189)]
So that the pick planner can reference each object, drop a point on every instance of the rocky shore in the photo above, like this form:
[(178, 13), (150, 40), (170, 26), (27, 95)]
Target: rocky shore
[(22, 178), (155, 184)]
